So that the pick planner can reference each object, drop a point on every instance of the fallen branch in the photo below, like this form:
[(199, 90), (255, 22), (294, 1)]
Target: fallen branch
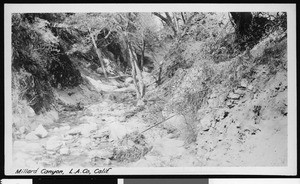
[(157, 124)]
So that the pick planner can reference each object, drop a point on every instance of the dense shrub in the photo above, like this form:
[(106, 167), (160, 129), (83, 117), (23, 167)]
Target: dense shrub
[(261, 25), (38, 52)]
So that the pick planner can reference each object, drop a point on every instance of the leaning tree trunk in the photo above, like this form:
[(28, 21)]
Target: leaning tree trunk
[(176, 23), (135, 71), (143, 54), (98, 53), (141, 85)]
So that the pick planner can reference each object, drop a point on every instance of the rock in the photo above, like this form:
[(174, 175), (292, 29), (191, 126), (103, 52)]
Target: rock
[(129, 80), (104, 132), (56, 129), (122, 118), (214, 95), (130, 143), (85, 141), (148, 78), (86, 129), (53, 115), (22, 129), (250, 87), (233, 96), (31, 136), (206, 122), (40, 131), (140, 103), (99, 70), (64, 151), (51, 152), (54, 143), (43, 120), (117, 131), (176, 122), (107, 161), (29, 111), (201, 113), (239, 91), (244, 83), (18, 120), (103, 154), (68, 137), (65, 128), (74, 131), (230, 103), (91, 119)]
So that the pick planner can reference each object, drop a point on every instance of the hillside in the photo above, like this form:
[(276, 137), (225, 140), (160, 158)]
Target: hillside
[(203, 93)]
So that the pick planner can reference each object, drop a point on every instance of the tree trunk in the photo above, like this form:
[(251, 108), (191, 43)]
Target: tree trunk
[(159, 75), (141, 86), (182, 16), (98, 53), (167, 20), (143, 55), (176, 23), (135, 71)]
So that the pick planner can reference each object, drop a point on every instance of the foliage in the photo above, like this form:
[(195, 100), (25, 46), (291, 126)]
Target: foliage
[(36, 50), (262, 24)]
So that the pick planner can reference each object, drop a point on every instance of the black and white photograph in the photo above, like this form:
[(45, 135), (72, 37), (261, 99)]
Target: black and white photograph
[(151, 89)]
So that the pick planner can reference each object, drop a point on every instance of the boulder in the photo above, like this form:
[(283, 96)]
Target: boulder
[(148, 78), (99, 70), (206, 122), (103, 154), (176, 122), (40, 131), (90, 119), (55, 129), (64, 151), (31, 136), (250, 87), (53, 114), (65, 128), (68, 137), (87, 128), (239, 91), (129, 80), (29, 111), (233, 96), (107, 161), (85, 141), (117, 131), (74, 131), (244, 83), (43, 119), (22, 129), (54, 144)]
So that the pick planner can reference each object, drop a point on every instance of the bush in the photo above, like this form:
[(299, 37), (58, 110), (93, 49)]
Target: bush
[(39, 59)]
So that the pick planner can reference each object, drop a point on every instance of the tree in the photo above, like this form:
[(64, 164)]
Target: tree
[(132, 35), (92, 23), (133, 32), (167, 20)]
